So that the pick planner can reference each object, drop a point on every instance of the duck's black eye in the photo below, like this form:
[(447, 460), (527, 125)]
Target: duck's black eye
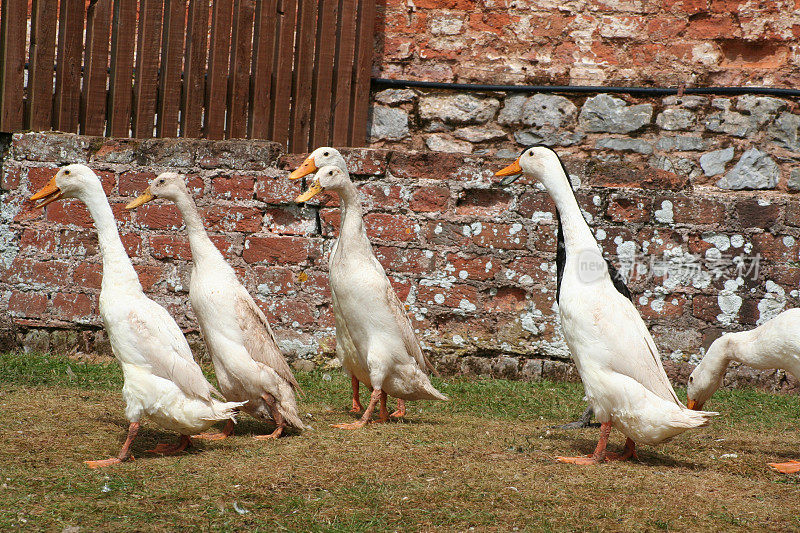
[(161, 181), (330, 173), (691, 379), (325, 154), (66, 172)]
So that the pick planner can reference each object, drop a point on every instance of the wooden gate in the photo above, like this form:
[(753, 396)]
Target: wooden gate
[(293, 71)]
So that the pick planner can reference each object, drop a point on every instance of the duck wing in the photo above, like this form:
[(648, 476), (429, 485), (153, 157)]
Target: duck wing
[(258, 338), (398, 311), (625, 334), (162, 346)]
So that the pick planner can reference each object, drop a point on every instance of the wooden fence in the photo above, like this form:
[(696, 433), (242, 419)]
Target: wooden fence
[(293, 71)]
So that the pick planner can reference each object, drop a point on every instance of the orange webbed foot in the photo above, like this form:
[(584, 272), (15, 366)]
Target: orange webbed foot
[(789, 467), (357, 408), (103, 462), (172, 449), (209, 436), (272, 436)]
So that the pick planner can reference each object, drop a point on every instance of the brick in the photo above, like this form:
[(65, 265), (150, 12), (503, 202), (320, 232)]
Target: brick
[(39, 176), (134, 183), (281, 249), (132, 243), (25, 270), (277, 280), (751, 214), (622, 175), (224, 244), (457, 296), (88, 275), (69, 212), (484, 203), (232, 218), (159, 216), (686, 210), (538, 205), (65, 242), (506, 300), (443, 233), (705, 26), (792, 217), (775, 248), (672, 307), (170, 247), (27, 304), (72, 306), (472, 267), (363, 162), (381, 196), (390, 227), (408, 260), (277, 190), (236, 187), (428, 199), (503, 236), (10, 178), (629, 208), (149, 275), (705, 307)]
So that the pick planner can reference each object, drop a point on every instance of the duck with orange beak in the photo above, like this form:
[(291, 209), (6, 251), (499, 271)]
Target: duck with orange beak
[(162, 379), (773, 344), (374, 338), (618, 362)]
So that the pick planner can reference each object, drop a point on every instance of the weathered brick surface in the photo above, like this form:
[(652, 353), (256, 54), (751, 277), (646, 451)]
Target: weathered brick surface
[(474, 264), (590, 42)]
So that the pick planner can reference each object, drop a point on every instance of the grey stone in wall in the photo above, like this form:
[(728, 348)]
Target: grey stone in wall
[(757, 112), (388, 124), (606, 114), (713, 163), (681, 143), (395, 96), (690, 101), (538, 110), (794, 180), (548, 137), (625, 145), (675, 119), (443, 143), (785, 131), (476, 134), (458, 109), (754, 170), (762, 108)]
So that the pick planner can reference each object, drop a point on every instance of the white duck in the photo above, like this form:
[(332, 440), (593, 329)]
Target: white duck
[(615, 355), (773, 344), (374, 338), (248, 363), (322, 157), (162, 380)]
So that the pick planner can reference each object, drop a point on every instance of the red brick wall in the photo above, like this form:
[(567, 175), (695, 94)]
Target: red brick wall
[(591, 42), (473, 263)]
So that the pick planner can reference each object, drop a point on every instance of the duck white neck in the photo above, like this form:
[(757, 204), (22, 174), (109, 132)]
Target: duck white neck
[(118, 271), (202, 247), (577, 235), (351, 230)]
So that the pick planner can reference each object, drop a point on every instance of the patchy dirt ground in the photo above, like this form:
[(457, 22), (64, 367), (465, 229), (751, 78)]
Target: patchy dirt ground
[(484, 461)]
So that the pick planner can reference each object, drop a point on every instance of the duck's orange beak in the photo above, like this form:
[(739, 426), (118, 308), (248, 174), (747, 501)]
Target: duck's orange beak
[(308, 167), (510, 170), (50, 193), (693, 405), (143, 198), (312, 191)]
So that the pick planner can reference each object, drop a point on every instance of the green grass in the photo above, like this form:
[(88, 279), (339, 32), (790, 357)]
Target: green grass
[(483, 460)]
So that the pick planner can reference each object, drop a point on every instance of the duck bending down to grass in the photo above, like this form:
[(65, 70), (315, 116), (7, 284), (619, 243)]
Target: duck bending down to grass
[(618, 362), (249, 365), (162, 379), (374, 337), (773, 344), (321, 157)]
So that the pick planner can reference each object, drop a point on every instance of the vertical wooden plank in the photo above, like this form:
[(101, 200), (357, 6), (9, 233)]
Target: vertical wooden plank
[(39, 111), (303, 72), (239, 75), (169, 78), (145, 86), (93, 97), (282, 77), (123, 40), (343, 72), (362, 68), (216, 81), (13, 33), (68, 65), (194, 80), (322, 86), (263, 58)]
